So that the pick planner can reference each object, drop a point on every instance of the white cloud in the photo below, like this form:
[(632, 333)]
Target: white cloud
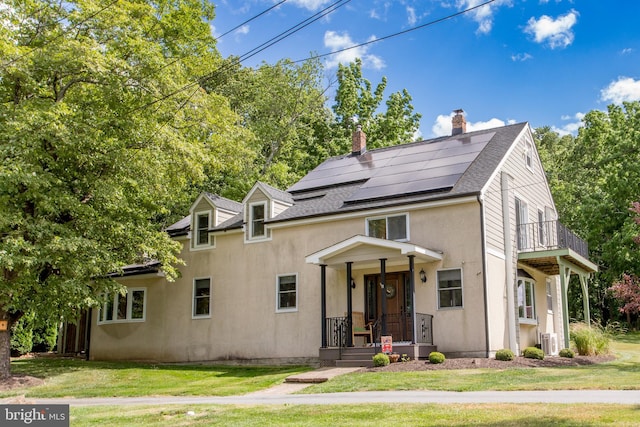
[(337, 41), (571, 128), (626, 51), (521, 57), (442, 125), (310, 4), (557, 33), (483, 15), (623, 89), (411, 16), (242, 30)]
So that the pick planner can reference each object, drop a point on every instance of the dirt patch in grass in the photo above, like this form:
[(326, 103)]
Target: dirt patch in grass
[(19, 381), (471, 363)]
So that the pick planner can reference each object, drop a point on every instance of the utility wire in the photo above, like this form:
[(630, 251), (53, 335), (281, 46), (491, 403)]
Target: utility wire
[(251, 19), (276, 39), (251, 53), (389, 36)]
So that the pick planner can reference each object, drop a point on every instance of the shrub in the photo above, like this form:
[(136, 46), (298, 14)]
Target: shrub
[(22, 336), (567, 352), (533, 353), (589, 340), (436, 357), (380, 359), (405, 358), (504, 354)]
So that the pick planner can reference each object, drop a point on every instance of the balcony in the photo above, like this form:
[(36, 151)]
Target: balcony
[(542, 245)]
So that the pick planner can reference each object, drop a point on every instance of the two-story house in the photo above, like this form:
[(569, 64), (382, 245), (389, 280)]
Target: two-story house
[(450, 243)]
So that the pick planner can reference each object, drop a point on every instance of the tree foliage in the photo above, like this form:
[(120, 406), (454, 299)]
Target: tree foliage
[(356, 100), (102, 127), (593, 178)]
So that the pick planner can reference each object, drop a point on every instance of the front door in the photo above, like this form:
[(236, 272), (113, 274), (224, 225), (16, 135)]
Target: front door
[(398, 301)]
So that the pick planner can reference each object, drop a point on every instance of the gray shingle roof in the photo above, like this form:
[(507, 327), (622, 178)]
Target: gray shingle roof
[(428, 170), (224, 203)]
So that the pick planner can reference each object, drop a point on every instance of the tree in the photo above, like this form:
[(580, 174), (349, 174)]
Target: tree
[(627, 292), (283, 108), (592, 179), (355, 100), (103, 126)]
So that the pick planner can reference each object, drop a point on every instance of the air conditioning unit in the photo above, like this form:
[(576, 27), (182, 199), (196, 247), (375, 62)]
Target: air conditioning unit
[(550, 344)]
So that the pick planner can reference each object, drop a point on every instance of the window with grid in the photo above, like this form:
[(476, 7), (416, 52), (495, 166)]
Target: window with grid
[(287, 292)]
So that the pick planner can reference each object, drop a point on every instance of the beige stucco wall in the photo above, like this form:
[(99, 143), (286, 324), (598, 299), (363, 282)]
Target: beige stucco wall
[(244, 323)]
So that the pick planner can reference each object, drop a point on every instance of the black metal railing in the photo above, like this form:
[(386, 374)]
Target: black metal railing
[(538, 236), (336, 331), (399, 326)]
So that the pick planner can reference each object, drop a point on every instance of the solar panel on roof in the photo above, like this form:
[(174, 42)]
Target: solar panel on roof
[(400, 170)]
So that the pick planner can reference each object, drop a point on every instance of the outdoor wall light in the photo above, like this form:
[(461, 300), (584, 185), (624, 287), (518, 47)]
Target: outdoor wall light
[(353, 283), (423, 276)]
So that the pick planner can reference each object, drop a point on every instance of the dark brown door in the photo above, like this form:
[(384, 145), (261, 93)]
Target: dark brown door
[(398, 304)]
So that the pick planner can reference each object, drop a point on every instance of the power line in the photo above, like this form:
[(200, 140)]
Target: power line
[(276, 39), (250, 19), (389, 36), (292, 30)]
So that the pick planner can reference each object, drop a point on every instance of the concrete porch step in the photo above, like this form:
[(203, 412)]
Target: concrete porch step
[(354, 363)]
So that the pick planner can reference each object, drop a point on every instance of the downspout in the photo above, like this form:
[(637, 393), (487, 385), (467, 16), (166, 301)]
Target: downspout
[(485, 285), (87, 344), (508, 264)]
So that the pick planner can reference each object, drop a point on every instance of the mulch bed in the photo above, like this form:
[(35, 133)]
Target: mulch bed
[(471, 363)]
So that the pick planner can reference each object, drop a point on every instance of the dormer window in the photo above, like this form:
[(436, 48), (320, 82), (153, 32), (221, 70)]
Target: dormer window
[(257, 217), (202, 229), (392, 227)]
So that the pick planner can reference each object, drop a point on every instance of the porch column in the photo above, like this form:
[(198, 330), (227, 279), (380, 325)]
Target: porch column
[(383, 303), (323, 303), (585, 297), (565, 274), (349, 307), (412, 286)]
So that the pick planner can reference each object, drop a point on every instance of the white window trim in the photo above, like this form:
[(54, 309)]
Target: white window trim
[(528, 155), (129, 307), (526, 320), (524, 221), (193, 298), (386, 218), (250, 236), (194, 232), (549, 295), (287, 309), (461, 288)]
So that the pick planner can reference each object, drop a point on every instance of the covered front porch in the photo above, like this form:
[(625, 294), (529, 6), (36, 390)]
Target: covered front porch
[(378, 278)]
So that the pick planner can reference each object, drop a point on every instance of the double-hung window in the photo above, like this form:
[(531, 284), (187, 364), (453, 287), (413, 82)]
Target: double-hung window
[(202, 229), (127, 307), (257, 217), (392, 227), (450, 288), (526, 300), (202, 297), (287, 292)]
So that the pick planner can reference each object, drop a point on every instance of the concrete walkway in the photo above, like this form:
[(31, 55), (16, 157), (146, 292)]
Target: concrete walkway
[(282, 394)]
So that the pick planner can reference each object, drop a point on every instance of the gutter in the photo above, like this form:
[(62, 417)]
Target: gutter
[(485, 285)]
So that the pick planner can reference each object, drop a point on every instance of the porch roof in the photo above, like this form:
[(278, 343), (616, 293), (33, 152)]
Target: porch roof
[(366, 251)]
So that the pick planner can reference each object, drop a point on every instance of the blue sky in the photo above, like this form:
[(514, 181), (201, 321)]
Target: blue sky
[(543, 61)]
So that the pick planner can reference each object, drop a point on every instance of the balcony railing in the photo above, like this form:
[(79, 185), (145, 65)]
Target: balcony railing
[(542, 236)]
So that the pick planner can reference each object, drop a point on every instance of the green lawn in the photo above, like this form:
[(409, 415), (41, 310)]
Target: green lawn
[(360, 415), (73, 377), (623, 373), (78, 378)]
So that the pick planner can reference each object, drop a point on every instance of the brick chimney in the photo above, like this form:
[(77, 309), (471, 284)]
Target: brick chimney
[(358, 141), (459, 123)]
